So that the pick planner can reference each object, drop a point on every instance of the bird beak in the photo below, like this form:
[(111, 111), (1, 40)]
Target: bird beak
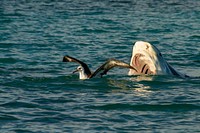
[(75, 71)]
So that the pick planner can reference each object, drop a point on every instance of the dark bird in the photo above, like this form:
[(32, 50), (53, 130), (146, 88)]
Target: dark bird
[(85, 73)]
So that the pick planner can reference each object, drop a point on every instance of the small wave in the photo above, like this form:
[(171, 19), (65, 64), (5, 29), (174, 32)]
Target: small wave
[(18, 104), (147, 107), (7, 117)]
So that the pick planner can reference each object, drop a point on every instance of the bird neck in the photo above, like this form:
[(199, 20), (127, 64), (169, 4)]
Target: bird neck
[(83, 75)]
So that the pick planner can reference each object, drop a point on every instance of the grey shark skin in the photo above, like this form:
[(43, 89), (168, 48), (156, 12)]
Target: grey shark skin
[(147, 59)]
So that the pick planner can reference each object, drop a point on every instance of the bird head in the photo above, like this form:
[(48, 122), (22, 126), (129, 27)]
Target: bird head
[(82, 74)]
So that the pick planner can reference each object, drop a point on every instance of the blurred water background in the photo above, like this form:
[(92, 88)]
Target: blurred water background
[(38, 93)]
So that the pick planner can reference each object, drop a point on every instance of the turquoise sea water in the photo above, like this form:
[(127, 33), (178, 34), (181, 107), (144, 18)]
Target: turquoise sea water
[(38, 93)]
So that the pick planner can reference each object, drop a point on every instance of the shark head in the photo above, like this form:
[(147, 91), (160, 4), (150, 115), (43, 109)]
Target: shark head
[(147, 59)]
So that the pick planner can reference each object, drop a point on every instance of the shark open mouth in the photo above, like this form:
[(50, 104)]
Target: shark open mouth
[(148, 60), (141, 64)]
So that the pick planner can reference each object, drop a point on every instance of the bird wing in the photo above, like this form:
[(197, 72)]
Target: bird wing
[(109, 64), (84, 65)]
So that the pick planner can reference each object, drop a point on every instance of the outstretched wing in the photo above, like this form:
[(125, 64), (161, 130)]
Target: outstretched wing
[(109, 64), (71, 59)]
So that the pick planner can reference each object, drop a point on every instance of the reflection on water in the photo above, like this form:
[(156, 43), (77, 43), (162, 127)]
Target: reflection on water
[(142, 78), (142, 90), (133, 84)]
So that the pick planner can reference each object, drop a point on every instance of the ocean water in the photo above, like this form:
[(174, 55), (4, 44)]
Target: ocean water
[(39, 93)]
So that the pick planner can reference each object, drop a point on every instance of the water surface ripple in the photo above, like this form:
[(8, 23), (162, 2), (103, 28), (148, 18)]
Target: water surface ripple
[(38, 92)]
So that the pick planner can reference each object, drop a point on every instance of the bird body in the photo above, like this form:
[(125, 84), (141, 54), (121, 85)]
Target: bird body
[(85, 73)]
